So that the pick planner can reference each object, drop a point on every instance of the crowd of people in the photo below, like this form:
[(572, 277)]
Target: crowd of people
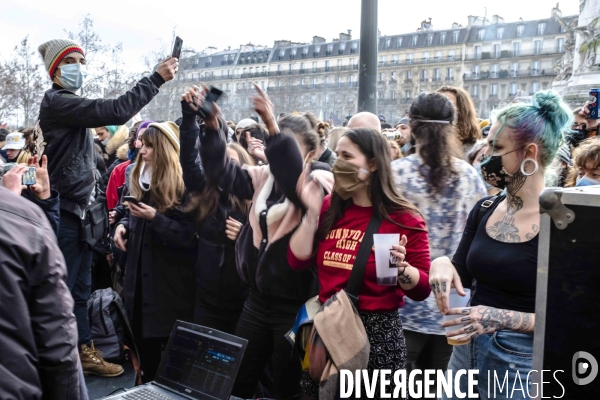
[(234, 226)]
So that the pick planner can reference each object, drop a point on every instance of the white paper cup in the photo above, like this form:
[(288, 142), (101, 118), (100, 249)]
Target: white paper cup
[(457, 301), (386, 263)]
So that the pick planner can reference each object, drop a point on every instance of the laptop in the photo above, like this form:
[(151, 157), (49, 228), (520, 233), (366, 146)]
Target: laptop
[(199, 363)]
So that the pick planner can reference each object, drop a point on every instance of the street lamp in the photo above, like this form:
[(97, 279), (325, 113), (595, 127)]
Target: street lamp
[(367, 75)]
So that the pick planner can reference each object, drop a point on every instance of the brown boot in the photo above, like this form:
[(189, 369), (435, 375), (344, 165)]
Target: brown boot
[(93, 363)]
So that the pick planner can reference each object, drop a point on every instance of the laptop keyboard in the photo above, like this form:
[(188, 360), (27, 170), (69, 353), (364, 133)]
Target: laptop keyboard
[(146, 394)]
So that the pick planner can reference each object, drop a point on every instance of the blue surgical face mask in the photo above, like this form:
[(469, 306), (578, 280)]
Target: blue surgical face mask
[(72, 76), (585, 181)]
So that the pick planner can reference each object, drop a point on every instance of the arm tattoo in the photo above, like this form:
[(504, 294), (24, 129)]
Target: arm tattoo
[(524, 327), (493, 319), (405, 279)]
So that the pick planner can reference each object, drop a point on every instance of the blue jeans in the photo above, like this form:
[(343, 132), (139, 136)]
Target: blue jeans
[(78, 257), (500, 355)]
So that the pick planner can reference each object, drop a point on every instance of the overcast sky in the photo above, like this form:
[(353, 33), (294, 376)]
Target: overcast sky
[(142, 25)]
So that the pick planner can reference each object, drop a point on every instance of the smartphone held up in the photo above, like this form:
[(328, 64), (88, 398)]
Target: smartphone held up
[(28, 178), (177, 47), (208, 106)]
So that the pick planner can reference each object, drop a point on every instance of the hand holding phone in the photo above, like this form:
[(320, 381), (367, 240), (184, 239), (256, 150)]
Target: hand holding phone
[(168, 68), (131, 199), (207, 109)]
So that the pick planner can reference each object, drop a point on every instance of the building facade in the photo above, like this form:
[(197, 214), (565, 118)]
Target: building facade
[(496, 62)]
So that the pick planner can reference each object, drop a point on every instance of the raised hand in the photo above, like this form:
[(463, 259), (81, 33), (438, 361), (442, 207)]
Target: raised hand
[(168, 68), (41, 189), (191, 97), (264, 108)]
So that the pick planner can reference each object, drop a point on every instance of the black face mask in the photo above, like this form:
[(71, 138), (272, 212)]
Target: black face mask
[(493, 171), (579, 134)]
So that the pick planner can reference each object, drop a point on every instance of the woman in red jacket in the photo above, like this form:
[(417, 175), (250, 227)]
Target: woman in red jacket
[(363, 187)]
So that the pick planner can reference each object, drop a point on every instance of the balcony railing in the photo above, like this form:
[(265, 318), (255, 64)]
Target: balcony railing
[(508, 74), (420, 61), (547, 52)]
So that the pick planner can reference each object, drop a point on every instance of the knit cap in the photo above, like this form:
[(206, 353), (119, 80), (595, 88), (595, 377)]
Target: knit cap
[(170, 129), (111, 129), (55, 50)]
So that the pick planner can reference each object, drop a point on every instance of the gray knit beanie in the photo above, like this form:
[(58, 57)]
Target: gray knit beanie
[(55, 50)]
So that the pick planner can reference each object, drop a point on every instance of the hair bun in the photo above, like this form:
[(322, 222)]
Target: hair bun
[(552, 107)]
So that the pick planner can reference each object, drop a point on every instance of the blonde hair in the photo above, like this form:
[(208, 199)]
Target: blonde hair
[(395, 145), (334, 136), (166, 186)]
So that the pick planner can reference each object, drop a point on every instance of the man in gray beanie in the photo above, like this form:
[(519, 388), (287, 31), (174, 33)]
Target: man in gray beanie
[(66, 120)]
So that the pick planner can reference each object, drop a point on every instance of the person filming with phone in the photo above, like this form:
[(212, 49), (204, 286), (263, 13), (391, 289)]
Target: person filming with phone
[(65, 120), (276, 291), (158, 287)]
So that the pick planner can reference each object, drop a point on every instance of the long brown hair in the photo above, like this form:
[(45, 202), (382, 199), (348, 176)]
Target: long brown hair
[(466, 122), (166, 186), (587, 152), (382, 190), (304, 127), (205, 203), (436, 142)]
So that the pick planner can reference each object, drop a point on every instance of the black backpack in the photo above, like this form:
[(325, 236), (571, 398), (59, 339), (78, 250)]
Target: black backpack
[(109, 327)]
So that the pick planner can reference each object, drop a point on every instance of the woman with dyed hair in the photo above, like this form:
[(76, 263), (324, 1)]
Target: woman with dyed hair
[(500, 250)]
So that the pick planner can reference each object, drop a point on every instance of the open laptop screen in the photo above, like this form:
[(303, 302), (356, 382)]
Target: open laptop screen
[(200, 364)]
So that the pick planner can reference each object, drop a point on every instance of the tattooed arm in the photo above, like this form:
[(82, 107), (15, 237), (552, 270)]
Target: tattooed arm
[(483, 319)]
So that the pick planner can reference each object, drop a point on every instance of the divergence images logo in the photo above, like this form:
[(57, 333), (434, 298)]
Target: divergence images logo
[(584, 363)]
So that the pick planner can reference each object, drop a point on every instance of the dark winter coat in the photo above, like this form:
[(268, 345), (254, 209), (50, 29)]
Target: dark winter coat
[(218, 282), (65, 119), (38, 331), (161, 257)]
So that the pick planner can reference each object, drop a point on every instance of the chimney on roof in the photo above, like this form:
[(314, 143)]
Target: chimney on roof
[(318, 40), (456, 25), (283, 43), (346, 36), (496, 19)]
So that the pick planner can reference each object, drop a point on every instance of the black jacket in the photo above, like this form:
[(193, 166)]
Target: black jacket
[(218, 282), (328, 157), (160, 261), (38, 332), (266, 269), (65, 119)]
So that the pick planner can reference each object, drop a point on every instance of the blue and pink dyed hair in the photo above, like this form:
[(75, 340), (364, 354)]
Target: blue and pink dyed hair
[(543, 121)]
